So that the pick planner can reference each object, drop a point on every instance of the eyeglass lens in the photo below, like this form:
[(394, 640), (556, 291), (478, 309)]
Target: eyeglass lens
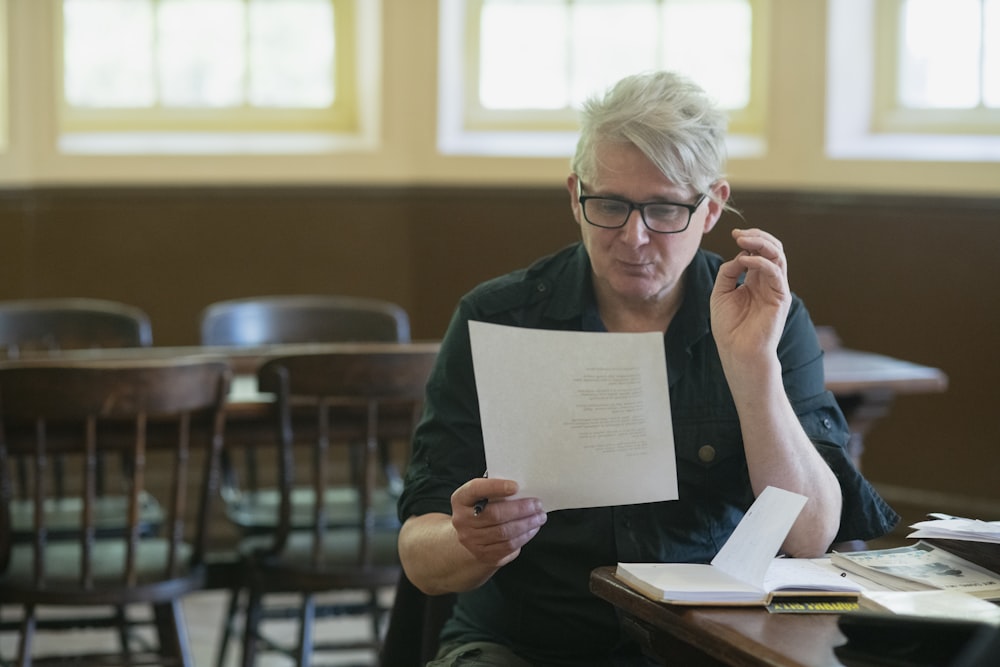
[(614, 213)]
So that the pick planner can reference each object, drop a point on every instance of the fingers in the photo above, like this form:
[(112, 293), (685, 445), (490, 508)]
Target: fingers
[(758, 243), (761, 259), (496, 534), (476, 490)]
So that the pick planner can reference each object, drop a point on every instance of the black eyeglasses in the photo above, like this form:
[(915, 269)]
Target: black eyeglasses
[(662, 217)]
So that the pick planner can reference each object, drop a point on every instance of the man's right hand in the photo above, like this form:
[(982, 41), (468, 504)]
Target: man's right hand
[(450, 554), (496, 532)]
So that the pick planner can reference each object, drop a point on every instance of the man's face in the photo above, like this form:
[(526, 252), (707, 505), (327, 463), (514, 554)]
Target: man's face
[(633, 264)]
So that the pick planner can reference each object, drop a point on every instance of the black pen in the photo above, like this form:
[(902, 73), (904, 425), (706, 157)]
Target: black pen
[(480, 505)]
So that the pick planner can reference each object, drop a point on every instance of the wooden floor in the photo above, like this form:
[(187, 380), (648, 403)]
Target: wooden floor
[(203, 613)]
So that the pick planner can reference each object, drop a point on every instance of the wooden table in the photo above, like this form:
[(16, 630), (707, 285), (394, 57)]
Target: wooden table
[(864, 383), (713, 636)]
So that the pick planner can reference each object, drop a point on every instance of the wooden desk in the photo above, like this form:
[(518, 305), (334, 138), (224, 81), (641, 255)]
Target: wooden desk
[(864, 383), (714, 636), (244, 360)]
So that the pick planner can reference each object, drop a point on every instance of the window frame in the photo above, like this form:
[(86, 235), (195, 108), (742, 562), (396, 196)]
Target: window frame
[(465, 126), (888, 115), (343, 116)]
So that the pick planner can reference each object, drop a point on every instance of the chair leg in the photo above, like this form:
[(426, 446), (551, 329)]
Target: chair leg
[(227, 626), (375, 612), (307, 618), (121, 623), (5, 627), (28, 625), (172, 632), (250, 627)]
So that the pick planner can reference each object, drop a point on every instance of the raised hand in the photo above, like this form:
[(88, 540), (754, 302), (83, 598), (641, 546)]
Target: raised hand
[(748, 317)]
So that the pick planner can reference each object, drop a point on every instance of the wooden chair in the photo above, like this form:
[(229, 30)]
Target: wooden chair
[(39, 326), (350, 396), (303, 319), (250, 501), (249, 493), (33, 325), (169, 408)]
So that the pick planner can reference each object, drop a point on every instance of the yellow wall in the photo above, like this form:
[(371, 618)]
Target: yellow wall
[(407, 153)]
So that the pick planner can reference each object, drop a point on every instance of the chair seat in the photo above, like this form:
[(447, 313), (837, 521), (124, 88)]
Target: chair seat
[(295, 571), (62, 568), (64, 516), (257, 512), (340, 554)]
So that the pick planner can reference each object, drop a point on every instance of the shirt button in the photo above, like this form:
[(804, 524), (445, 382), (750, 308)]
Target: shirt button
[(706, 453)]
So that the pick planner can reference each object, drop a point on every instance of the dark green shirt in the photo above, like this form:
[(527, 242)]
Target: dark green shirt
[(540, 603)]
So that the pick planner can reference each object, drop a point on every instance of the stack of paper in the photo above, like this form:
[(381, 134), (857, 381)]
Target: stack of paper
[(932, 604), (921, 566), (956, 528)]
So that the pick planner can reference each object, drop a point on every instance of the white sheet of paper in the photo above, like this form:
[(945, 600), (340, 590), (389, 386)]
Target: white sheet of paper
[(577, 419), (749, 551)]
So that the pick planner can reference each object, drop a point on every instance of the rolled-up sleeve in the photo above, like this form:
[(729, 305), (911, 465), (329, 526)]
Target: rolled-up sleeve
[(864, 515)]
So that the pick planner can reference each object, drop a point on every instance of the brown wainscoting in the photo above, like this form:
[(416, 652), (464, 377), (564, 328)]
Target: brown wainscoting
[(909, 276)]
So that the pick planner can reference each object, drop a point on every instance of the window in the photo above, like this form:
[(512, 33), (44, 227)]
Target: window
[(212, 66), (913, 80), (526, 66), (939, 67)]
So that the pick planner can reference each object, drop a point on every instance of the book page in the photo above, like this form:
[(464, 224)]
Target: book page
[(688, 583), (577, 419), (804, 574), (748, 552)]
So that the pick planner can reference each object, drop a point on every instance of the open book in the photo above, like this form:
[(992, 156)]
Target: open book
[(698, 583), (745, 571), (920, 566)]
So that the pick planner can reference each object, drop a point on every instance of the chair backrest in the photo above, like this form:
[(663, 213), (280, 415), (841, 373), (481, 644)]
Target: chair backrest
[(354, 397), (303, 319), (135, 408), (70, 323)]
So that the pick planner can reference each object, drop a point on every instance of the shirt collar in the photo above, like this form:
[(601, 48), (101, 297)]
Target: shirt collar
[(573, 296)]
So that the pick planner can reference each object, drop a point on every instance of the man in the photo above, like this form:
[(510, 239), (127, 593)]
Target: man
[(746, 387)]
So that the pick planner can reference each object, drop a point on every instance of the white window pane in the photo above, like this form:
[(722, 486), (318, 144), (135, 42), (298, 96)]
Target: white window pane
[(610, 41), (523, 59), (991, 60), (940, 54), (709, 41), (292, 53), (552, 54), (201, 52), (107, 61)]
